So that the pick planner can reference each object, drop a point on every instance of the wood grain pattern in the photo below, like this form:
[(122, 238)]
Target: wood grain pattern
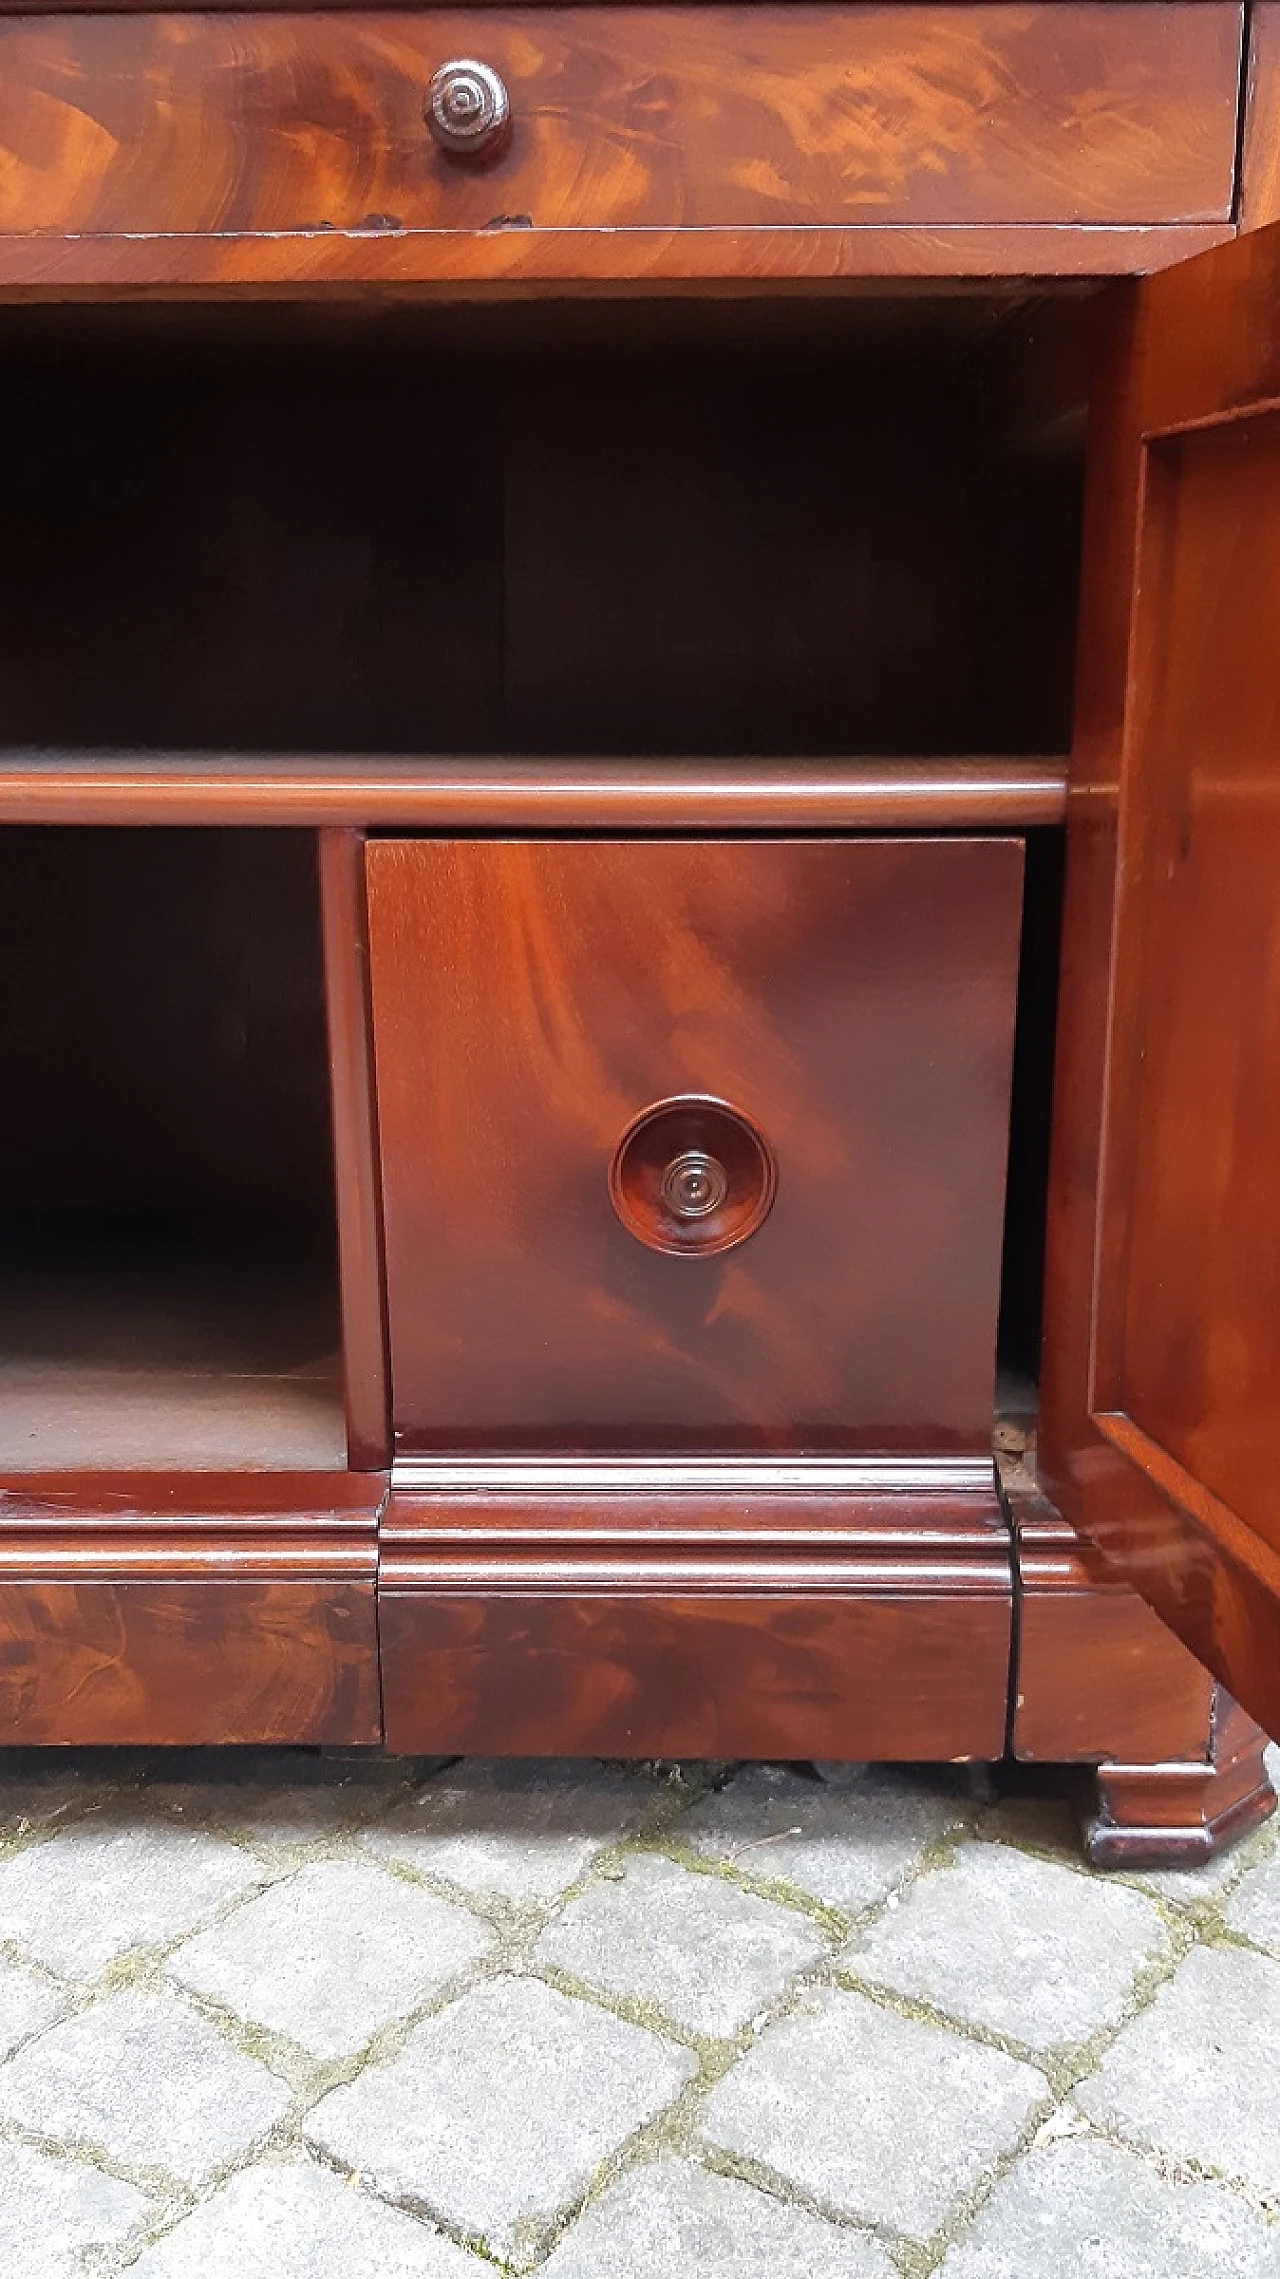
[(187, 1663), (1160, 1395), (769, 1609), (189, 1608), (686, 118), (1097, 1674), (432, 265), (365, 1362), (1260, 154), (854, 998), (552, 794)]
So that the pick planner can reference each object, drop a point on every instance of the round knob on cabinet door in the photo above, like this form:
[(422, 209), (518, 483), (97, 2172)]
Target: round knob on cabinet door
[(693, 1184), (469, 110), (692, 1176)]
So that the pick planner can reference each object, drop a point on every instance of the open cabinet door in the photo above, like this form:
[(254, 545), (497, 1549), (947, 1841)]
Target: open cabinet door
[(1161, 1392)]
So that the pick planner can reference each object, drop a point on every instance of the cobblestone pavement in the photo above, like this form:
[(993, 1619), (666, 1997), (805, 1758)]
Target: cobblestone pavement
[(284, 2017)]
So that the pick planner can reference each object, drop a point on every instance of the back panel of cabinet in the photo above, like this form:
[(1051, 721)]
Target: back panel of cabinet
[(802, 1248)]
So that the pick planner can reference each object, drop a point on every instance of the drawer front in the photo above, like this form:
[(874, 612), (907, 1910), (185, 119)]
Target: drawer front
[(748, 1674), (800, 1247), (622, 117)]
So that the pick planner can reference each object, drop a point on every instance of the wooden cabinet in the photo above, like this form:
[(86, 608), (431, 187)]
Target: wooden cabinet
[(634, 1124)]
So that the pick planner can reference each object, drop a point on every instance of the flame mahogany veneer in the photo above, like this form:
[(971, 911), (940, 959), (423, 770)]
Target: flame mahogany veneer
[(641, 1125)]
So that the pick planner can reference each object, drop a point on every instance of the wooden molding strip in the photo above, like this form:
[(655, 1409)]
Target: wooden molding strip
[(301, 262), (192, 1526), (551, 795)]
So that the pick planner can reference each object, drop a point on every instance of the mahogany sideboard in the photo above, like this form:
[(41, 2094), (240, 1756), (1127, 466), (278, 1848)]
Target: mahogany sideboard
[(640, 885)]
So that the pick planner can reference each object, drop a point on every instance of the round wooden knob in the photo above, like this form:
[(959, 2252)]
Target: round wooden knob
[(469, 109), (692, 1176), (694, 1184)]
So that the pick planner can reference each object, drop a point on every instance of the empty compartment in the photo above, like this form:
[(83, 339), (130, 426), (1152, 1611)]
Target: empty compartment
[(651, 528), (168, 1282)]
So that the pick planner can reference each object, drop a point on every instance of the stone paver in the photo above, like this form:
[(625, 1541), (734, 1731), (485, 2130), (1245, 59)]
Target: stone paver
[(1254, 1908), (27, 2003), (1090, 2211), (517, 1831), (295, 1801), (116, 1880), (55, 2211), (1195, 2076), (39, 1787), (332, 1954), (150, 2081), (302, 2222), (1029, 1949), (873, 2115), (677, 2221), (194, 1944), (847, 1839), (703, 1952), (497, 2112)]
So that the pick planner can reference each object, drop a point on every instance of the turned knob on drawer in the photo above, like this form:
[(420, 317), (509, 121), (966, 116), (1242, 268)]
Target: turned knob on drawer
[(469, 109)]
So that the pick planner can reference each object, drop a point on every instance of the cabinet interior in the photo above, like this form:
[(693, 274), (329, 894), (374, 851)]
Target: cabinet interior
[(168, 1284), (762, 528), (759, 529)]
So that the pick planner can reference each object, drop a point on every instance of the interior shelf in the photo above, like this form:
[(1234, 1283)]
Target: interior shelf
[(502, 793), (168, 1276), (135, 1356)]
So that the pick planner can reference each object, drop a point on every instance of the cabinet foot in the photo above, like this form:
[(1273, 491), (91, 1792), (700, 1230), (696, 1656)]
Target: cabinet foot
[(1181, 1814)]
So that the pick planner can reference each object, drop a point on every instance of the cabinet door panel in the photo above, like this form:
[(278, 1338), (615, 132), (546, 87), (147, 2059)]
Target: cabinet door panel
[(852, 999), (1162, 1363)]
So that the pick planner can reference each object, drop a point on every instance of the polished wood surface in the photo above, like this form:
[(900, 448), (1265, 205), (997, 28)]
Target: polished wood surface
[(189, 1607), (1097, 1674), (1180, 1814), (699, 1608), (1260, 153), (643, 118), (365, 1361), (146, 1663), (855, 1000), (1162, 1355), (430, 266), (552, 794)]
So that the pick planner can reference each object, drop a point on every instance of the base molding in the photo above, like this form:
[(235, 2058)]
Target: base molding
[(762, 1607), (155, 1609)]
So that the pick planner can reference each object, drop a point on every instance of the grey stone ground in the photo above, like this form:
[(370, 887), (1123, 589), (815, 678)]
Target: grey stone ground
[(279, 2017)]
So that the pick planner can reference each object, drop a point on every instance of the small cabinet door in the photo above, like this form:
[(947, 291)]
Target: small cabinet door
[(693, 1145), (1161, 1393)]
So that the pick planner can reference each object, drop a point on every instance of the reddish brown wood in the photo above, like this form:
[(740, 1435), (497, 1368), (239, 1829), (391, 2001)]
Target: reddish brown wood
[(1099, 1679), (1260, 157), (854, 999), (705, 1609), (189, 1608), (321, 264), (172, 1662), (1097, 1674), (1162, 1375), (552, 794), (1180, 1814), (641, 118), (355, 1149)]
